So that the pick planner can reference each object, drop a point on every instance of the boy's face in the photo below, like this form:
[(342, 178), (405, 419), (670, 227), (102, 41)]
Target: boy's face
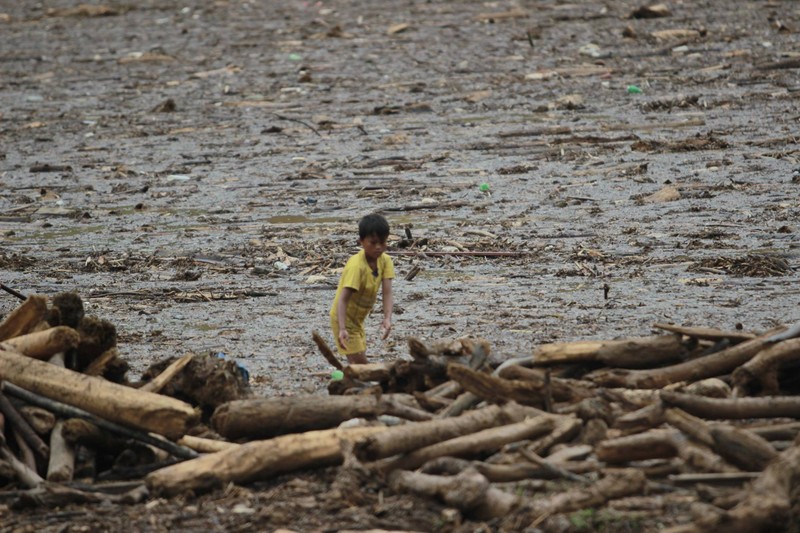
[(373, 246)]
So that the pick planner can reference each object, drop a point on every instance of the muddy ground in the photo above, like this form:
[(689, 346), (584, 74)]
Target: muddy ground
[(196, 170)]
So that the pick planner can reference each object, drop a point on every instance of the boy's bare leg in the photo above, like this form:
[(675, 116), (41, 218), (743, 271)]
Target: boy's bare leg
[(359, 358)]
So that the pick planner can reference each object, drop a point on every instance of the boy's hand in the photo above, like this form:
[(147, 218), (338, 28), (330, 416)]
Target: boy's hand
[(343, 339), (386, 326)]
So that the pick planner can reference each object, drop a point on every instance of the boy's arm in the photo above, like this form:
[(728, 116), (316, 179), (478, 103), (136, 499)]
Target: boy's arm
[(341, 314), (388, 304)]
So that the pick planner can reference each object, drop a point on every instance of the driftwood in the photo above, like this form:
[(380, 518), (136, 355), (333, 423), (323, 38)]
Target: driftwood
[(41, 420), (116, 403), (325, 350), (74, 412), (654, 444), (642, 352), (202, 445), (735, 408), (487, 440), (765, 506), (24, 318), (61, 463), (763, 368), (709, 334), (268, 417), (19, 424), (468, 491), (99, 365), (694, 370), (256, 460), (158, 383), (43, 345), (562, 390), (616, 484), (369, 372), (401, 439), (503, 472)]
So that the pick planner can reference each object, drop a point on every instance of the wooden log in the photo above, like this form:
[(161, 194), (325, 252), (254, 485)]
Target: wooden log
[(256, 460), (69, 411), (742, 448), (99, 365), (487, 440), (325, 350), (695, 428), (19, 424), (550, 466), (390, 404), (158, 383), (709, 334), (766, 505), (563, 390), (763, 368), (22, 319), (616, 484), (41, 420), (654, 444), (43, 344), (116, 403), (468, 491), (267, 417), (714, 477), (709, 366), (503, 473), (202, 445), (61, 465), (786, 431), (566, 429), (496, 389), (369, 371), (699, 457), (401, 439), (640, 420), (77, 431), (735, 408), (24, 451), (641, 352)]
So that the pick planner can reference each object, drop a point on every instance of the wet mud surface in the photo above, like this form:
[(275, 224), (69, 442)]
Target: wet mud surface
[(196, 171)]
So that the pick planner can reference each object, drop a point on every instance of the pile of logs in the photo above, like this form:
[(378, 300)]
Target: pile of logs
[(698, 423)]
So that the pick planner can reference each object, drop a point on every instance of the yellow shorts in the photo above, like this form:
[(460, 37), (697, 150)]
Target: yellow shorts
[(356, 343)]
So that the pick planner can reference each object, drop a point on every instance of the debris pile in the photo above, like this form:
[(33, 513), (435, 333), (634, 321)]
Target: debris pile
[(700, 421)]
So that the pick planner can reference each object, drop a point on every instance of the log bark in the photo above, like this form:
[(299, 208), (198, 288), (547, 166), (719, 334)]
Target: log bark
[(617, 484), (73, 412), (257, 460), (160, 381), (503, 473), (709, 366), (767, 505), (401, 439), (325, 350), (202, 445), (566, 429), (468, 491), (735, 408), (708, 334), (641, 352), (41, 420), (563, 390), (19, 424), (487, 440), (763, 368), (124, 405), (25, 317), (42, 345), (267, 417), (369, 372), (98, 366), (654, 444), (61, 465), (496, 389)]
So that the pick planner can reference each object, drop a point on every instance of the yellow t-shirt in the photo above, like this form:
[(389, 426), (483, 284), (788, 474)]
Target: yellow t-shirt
[(358, 276)]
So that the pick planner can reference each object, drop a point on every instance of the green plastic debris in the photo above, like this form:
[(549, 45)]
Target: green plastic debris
[(337, 375), (633, 89), (484, 187), (295, 57)]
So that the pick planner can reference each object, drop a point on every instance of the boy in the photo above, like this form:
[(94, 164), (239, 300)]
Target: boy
[(364, 273)]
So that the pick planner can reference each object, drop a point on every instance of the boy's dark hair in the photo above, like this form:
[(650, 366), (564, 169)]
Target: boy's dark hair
[(373, 225)]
